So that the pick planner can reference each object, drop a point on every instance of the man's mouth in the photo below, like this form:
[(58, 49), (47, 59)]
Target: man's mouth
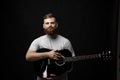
[(51, 29)]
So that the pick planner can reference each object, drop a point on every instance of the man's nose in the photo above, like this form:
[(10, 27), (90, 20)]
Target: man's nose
[(50, 24)]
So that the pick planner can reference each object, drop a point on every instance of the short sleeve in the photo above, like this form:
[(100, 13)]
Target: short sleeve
[(34, 45), (69, 46)]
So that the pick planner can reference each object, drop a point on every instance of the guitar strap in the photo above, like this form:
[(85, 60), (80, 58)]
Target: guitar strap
[(45, 72)]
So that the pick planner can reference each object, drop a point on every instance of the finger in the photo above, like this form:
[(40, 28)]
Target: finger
[(52, 75), (56, 58), (59, 55), (49, 78), (54, 50)]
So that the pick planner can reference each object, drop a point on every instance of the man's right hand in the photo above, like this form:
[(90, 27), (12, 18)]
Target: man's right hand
[(54, 55)]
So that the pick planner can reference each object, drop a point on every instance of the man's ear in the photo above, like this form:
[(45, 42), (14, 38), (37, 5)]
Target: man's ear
[(43, 25)]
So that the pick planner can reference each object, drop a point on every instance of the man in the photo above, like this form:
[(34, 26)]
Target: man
[(51, 40)]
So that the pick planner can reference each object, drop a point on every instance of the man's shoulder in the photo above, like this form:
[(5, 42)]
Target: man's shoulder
[(39, 38), (63, 37)]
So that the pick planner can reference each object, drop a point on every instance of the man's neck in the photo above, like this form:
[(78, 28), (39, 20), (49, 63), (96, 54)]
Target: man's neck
[(52, 36)]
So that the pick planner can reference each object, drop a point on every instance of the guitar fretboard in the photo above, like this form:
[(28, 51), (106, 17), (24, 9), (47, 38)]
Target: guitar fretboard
[(82, 57)]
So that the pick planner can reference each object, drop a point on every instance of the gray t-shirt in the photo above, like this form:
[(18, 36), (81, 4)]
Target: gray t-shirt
[(57, 43)]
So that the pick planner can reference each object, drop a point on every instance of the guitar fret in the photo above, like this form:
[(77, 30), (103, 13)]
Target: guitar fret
[(76, 58)]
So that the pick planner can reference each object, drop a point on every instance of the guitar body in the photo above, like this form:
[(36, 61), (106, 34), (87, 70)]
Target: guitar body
[(52, 67), (40, 65)]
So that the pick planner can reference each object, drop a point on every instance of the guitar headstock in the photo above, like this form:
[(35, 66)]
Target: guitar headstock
[(106, 55)]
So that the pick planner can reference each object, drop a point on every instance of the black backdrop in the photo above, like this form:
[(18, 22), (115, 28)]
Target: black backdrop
[(91, 27)]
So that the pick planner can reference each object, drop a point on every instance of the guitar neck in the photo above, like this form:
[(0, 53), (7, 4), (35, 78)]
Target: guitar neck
[(82, 57)]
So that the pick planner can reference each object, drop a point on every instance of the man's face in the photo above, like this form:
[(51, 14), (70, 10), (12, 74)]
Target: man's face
[(50, 26)]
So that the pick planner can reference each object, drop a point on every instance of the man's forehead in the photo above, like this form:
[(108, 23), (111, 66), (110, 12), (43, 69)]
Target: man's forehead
[(49, 19)]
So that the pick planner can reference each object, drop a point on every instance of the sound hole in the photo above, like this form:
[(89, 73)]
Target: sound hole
[(61, 61)]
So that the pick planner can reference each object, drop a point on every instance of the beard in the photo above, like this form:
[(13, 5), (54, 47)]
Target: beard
[(50, 31)]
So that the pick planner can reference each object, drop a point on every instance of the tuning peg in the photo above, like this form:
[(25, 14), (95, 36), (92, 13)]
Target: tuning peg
[(109, 52), (110, 58), (103, 52)]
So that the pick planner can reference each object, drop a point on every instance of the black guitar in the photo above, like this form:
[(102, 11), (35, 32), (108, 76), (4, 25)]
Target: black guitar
[(60, 66)]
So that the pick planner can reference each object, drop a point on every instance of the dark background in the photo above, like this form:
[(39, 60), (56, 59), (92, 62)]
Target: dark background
[(118, 45), (90, 25)]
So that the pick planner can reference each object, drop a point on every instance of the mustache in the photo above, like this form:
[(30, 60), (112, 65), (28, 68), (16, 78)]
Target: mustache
[(51, 29)]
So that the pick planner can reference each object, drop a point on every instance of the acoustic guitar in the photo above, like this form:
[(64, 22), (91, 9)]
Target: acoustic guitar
[(60, 66)]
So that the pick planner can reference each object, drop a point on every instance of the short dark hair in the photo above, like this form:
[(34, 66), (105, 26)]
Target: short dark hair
[(49, 15)]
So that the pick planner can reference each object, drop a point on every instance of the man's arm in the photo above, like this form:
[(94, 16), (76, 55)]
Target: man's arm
[(34, 56)]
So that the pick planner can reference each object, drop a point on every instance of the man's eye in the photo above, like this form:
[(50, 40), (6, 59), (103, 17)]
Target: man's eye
[(52, 23), (46, 23)]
